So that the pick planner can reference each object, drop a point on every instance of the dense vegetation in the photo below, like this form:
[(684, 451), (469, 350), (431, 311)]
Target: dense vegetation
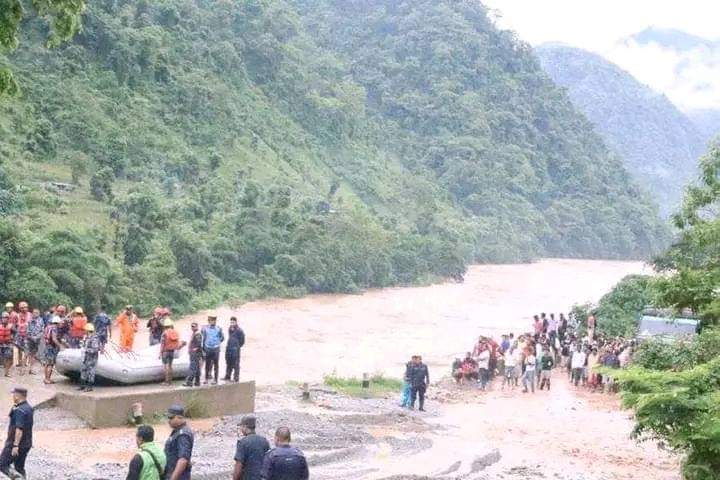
[(674, 386), (184, 152), (660, 146)]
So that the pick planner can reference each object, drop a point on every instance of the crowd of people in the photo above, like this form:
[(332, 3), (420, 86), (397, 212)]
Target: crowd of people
[(253, 459), (31, 336), (552, 343)]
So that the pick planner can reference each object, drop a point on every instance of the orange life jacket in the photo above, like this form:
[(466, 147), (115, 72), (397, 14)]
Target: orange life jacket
[(22, 327), (172, 340), (77, 326), (5, 334)]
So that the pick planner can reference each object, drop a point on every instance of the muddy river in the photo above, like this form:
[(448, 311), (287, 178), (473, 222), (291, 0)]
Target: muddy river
[(377, 331)]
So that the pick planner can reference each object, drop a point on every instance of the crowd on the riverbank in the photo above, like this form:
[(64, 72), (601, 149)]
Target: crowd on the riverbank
[(561, 344)]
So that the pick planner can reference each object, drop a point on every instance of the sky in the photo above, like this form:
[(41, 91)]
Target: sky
[(689, 78)]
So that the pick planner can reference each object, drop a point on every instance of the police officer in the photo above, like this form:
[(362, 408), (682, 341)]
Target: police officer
[(236, 339), (91, 349), (419, 381), (284, 462), (19, 438), (195, 351), (179, 446)]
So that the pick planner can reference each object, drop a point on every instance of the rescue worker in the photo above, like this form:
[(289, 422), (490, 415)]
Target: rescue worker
[(195, 351), (149, 463), (284, 462), (63, 327), (179, 446), (19, 439), (213, 337), (21, 329), (6, 342), (236, 339), (78, 320), (250, 451), (34, 338), (169, 344), (91, 353), (155, 326), (128, 323), (53, 345), (12, 314), (102, 326)]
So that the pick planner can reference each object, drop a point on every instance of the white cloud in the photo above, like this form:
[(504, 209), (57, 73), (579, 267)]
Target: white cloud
[(691, 79)]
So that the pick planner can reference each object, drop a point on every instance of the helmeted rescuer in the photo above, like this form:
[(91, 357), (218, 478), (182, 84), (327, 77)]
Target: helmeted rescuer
[(91, 352), (12, 314), (24, 317), (53, 344), (19, 438), (7, 333), (179, 446), (127, 321), (78, 320), (169, 344), (149, 463)]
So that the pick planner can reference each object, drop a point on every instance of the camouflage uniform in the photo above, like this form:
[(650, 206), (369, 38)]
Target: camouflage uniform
[(195, 349), (90, 358)]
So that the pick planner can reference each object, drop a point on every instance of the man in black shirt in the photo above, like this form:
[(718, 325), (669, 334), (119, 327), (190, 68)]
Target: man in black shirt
[(419, 380), (236, 339), (284, 462), (179, 446), (251, 450), (19, 438)]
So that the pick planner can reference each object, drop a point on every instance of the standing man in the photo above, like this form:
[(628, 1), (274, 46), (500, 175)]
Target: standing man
[(91, 353), (19, 439), (12, 314), (236, 339), (102, 326), (21, 329), (179, 446), (78, 321), (195, 351), (155, 326), (6, 342), (53, 344), (419, 380), (128, 323), (149, 462), (547, 362), (284, 462), (34, 337), (212, 338), (169, 343), (250, 451), (577, 364)]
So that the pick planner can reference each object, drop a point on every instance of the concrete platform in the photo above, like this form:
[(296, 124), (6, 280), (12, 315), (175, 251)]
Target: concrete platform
[(104, 408)]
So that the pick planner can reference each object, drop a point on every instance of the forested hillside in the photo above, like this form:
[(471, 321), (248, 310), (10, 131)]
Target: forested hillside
[(183, 152), (659, 144)]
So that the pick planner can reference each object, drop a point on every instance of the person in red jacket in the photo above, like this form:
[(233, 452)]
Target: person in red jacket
[(78, 320), (7, 332)]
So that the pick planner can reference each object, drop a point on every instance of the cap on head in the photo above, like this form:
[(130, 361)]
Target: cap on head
[(89, 327), (168, 323), (128, 307), (212, 318), (176, 410), (20, 391), (78, 310), (9, 305)]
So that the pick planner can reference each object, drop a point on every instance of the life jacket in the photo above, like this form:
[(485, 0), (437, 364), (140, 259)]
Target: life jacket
[(172, 340), (22, 327), (77, 326), (6, 334)]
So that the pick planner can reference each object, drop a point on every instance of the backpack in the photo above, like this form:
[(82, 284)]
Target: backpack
[(172, 339)]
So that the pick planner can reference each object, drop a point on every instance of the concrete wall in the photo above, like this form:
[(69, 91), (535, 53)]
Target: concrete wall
[(113, 410)]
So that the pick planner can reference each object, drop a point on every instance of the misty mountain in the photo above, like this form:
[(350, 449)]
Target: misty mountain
[(659, 144)]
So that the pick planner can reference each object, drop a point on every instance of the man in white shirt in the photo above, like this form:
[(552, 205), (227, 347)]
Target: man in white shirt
[(529, 376), (577, 363)]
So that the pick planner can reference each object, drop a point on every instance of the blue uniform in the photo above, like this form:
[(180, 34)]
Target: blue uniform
[(285, 463), (21, 417), (179, 445)]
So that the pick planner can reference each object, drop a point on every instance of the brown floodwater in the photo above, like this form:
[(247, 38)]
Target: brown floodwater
[(304, 339)]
